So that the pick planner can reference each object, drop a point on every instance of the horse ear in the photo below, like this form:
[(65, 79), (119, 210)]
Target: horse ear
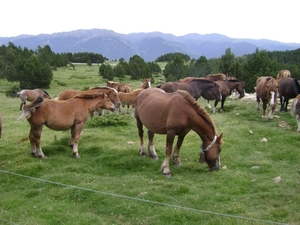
[(220, 138)]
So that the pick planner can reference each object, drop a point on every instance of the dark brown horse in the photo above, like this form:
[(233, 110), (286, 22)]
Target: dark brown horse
[(175, 114), (62, 115), (110, 92), (146, 84), (266, 91), (288, 88), (226, 87), (31, 95), (195, 87), (295, 110)]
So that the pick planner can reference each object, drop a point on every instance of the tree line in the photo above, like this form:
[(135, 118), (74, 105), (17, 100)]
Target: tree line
[(32, 69)]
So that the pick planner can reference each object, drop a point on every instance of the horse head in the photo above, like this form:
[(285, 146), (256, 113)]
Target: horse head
[(241, 89), (211, 153)]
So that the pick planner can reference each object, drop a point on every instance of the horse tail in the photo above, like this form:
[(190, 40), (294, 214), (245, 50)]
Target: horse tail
[(27, 109)]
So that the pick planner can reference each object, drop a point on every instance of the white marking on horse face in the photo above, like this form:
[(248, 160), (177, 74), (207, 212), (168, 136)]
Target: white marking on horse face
[(149, 84), (272, 101)]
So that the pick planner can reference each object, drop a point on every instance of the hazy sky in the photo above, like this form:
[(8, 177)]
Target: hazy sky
[(256, 19)]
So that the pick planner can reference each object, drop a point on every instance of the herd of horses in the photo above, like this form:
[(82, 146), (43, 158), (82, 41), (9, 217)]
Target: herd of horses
[(71, 109)]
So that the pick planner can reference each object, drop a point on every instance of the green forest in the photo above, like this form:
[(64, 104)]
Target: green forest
[(33, 68)]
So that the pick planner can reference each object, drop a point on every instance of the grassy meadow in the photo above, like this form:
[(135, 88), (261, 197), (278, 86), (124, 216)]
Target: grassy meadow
[(112, 184)]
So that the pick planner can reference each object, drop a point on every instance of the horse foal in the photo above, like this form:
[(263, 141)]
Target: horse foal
[(62, 115)]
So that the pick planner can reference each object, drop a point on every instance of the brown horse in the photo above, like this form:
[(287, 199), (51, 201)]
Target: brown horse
[(295, 110), (266, 91), (129, 99), (283, 73), (110, 92), (31, 95), (288, 88), (226, 87), (195, 87), (0, 126), (146, 84), (176, 114), (119, 87), (62, 115)]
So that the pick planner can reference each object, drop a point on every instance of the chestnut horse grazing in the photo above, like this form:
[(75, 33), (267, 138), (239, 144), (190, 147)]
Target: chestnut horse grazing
[(31, 95), (266, 91), (146, 84), (62, 115), (129, 99), (283, 73), (175, 114), (295, 110), (110, 92), (288, 88)]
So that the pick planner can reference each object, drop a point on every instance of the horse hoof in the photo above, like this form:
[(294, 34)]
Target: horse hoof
[(167, 175)]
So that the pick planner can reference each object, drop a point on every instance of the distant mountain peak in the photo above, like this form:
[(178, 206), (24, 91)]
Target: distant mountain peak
[(149, 46)]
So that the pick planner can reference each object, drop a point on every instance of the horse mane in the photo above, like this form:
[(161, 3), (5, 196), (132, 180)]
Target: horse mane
[(201, 111), (45, 92), (103, 87), (89, 95)]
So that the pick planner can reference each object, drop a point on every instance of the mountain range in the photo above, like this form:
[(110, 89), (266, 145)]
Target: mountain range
[(148, 46)]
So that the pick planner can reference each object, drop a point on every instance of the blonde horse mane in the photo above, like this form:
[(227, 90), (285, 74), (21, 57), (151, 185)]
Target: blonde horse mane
[(201, 111), (104, 87)]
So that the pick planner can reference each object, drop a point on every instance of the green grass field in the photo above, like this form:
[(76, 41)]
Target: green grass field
[(112, 184)]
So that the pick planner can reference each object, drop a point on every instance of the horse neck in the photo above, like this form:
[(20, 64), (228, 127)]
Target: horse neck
[(204, 128), (94, 103)]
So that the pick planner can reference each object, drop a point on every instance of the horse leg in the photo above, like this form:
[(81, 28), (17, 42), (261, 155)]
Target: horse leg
[(176, 159), (257, 104), (298, 122), (264, 107), (207, 104), (215, 106), (35, 141), (75, 136), (281, 103), (222, 103), (141, 135), (286, 101), (151, 148), (165, 165), (22, 103), (132, 112)]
